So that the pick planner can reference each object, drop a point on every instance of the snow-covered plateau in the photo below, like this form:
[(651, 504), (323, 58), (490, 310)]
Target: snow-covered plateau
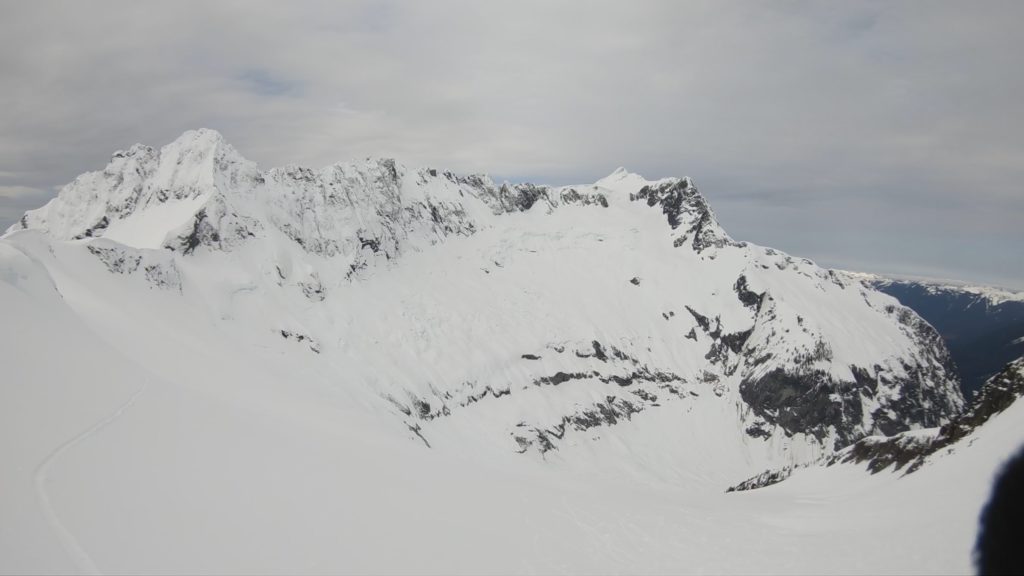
[(210, 368)]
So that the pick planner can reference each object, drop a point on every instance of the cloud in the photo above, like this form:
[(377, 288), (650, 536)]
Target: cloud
[(263, 83), (11, 192), (809, 125), (16, 200)]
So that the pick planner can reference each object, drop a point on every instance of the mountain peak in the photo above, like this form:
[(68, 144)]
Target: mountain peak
[(143, 194), (620, 174), (199, 145), (201, 137), (622, 180)]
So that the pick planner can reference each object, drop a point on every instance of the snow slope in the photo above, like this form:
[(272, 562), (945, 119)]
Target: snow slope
[(367, 368)]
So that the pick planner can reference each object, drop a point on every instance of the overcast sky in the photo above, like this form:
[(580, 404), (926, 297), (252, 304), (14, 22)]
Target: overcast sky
[(884, 137)]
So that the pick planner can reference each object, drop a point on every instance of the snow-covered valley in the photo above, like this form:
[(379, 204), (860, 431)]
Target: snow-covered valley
[(372, 369)]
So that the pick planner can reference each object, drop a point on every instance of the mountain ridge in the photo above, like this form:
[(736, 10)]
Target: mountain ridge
[(494, 377), (203, 178), (790, 361)]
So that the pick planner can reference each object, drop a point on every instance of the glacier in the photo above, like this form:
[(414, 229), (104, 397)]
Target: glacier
[(369, 368)]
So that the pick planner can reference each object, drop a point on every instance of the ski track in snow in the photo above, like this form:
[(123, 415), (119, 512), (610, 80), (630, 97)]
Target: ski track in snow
[(67, 539)]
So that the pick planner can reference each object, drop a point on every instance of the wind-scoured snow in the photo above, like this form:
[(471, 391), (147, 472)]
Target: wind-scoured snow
[(370, 368)]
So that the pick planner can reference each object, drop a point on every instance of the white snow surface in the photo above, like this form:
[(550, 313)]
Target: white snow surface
[(238, 404)]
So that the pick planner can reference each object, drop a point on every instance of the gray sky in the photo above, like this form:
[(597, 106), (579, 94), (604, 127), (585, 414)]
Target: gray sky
[(884, 137)]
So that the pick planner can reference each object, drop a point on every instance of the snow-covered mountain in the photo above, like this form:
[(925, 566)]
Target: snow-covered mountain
[(983, 327), (907, 452), (798, 348), (317, 366)]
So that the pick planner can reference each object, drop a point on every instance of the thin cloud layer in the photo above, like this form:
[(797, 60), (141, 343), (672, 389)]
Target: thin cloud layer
[(885, 137)]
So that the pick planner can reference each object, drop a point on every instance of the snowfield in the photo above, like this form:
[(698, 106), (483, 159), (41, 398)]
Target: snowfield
[(368, 369)]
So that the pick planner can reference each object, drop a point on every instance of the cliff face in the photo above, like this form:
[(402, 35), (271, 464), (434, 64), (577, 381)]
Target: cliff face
[(907, 452), (994, 397), (982, 326)]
